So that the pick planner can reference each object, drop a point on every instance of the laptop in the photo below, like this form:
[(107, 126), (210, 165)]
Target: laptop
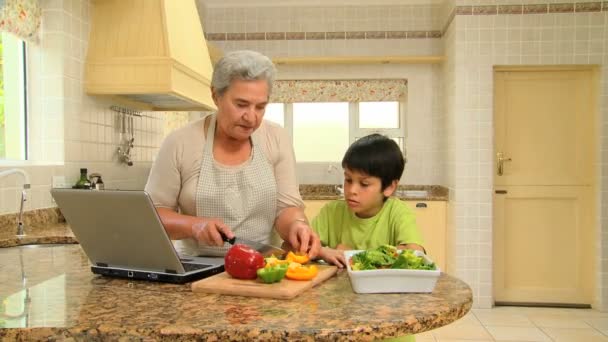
[(122, 235)]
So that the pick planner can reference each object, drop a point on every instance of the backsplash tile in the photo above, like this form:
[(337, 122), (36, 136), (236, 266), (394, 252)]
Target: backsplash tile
[(561, 8), (535, 9)]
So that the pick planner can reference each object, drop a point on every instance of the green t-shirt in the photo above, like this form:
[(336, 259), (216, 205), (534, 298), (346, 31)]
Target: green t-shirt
[(394, 224)]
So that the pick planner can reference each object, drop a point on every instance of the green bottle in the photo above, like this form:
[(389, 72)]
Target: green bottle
[(83, 182)]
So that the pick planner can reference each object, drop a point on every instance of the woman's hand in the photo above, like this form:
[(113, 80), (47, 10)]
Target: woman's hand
[(333, 256), (304, 239), (207, 231)]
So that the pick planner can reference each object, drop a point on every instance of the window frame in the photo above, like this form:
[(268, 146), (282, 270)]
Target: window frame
[(354, 130)]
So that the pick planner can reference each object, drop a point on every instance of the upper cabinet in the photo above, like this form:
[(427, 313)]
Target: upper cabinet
[(149, 55)]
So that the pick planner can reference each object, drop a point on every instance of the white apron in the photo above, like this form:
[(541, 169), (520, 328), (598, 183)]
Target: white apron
[(243, 196)]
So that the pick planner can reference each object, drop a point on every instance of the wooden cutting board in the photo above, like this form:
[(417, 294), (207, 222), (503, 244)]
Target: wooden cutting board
[(223, 283)]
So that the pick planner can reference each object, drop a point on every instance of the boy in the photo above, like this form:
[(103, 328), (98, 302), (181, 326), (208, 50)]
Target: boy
[(367, 217)]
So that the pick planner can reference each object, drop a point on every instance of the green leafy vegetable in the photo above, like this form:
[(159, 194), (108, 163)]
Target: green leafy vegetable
[(387, 256)]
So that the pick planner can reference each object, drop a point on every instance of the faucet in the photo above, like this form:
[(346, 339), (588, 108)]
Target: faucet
[(26, 185), (339, 188)]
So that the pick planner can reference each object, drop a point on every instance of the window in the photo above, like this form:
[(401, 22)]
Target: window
[(322, 131), (275, 112), (13, 132)]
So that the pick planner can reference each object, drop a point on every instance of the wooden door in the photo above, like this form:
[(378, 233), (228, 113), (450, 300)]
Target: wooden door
[(544, 206)]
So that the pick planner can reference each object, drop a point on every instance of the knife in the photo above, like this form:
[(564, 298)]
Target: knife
[(265, 249)]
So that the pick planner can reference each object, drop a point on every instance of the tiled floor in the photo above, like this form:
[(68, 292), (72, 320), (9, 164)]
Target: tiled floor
[(524, 324)]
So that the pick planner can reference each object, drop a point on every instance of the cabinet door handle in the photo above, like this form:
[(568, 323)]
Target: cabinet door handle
[(500, 160), (421, 205)]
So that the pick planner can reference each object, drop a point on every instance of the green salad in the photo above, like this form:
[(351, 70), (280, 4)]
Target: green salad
[(388, 257)]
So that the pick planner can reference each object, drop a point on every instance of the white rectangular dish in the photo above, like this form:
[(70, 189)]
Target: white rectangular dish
[(392, 280)]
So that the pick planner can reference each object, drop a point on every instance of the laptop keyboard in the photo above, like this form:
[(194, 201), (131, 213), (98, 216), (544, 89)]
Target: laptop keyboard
[(193, 267)]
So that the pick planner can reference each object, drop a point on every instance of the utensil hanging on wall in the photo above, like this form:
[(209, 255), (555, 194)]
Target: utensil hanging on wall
[(127, 134)]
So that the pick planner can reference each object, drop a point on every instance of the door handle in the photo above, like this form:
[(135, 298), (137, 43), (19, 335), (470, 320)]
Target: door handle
[(500, 161)]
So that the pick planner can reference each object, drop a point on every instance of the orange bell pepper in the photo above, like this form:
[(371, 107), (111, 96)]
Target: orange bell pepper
[(299, 258), (301, 272)]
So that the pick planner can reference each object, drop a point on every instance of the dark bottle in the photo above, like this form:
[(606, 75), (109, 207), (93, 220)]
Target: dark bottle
[(83, 182)]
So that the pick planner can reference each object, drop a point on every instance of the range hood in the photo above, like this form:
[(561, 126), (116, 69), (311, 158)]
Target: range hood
[(149, 55)]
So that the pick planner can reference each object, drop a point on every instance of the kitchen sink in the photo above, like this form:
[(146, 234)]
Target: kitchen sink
[(412, 193)]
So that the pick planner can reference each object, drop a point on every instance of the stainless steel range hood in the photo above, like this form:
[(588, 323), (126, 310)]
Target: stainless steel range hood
[(149, 54)]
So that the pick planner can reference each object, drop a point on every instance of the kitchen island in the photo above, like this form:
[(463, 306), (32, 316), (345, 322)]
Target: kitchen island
[(50, 293)]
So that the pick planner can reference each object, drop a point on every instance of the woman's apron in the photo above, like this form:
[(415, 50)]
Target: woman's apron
[(243, 196)]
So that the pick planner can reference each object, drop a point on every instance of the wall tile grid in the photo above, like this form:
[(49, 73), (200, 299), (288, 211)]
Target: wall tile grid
[(327, 31), (67, 128), (547, 33)]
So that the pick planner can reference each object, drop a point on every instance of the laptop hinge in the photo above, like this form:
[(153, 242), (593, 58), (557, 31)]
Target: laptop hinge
[(171, 271), (102, 264)]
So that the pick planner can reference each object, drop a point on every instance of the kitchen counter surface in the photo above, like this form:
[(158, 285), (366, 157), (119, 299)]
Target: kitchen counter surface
[(404, 192), (50, 293), (42, 226)]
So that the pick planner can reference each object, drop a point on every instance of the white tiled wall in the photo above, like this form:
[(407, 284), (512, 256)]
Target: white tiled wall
[(473, 44), (312, 18), (67, 128), (328, 19)]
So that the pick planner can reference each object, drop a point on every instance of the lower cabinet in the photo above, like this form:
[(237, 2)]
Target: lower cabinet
[(431, 221), (313, 207), (430, 218)]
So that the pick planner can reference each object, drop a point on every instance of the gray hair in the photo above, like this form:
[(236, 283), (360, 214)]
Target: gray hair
[(244, 65)]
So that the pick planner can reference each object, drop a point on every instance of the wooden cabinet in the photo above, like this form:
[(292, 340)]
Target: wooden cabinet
[(313, 207), (430, 218), (431, 221)]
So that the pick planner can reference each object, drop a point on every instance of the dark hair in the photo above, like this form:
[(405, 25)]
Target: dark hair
[(377, 156)]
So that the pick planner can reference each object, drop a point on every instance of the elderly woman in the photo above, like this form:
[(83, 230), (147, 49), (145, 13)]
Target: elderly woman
[(231, 172)]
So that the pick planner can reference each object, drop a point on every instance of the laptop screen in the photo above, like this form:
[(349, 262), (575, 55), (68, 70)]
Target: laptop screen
[(119, 229)]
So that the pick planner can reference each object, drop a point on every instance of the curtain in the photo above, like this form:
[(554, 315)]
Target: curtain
[(338, 91), (21, 18)]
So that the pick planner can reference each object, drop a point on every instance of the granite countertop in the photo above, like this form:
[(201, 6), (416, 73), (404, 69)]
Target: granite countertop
[(50, 293), (404, 192), (42, 226)]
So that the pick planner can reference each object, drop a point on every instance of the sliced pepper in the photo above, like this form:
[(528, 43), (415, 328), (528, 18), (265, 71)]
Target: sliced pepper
[(272, 261), (299, 258), (301, 272), (272, 274)]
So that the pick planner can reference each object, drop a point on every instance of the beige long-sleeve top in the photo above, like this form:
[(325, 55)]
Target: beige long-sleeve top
[(174, 175)]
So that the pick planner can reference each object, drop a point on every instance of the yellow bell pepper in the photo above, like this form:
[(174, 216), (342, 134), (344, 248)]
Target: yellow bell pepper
[(299, 258), (301, 272)]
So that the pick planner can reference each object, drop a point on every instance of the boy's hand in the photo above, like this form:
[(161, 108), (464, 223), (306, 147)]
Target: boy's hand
[(333, 256), (343, 247)]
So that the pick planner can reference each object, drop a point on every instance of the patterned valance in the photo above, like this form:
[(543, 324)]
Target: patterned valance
[(21, 18), (338, 91)]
